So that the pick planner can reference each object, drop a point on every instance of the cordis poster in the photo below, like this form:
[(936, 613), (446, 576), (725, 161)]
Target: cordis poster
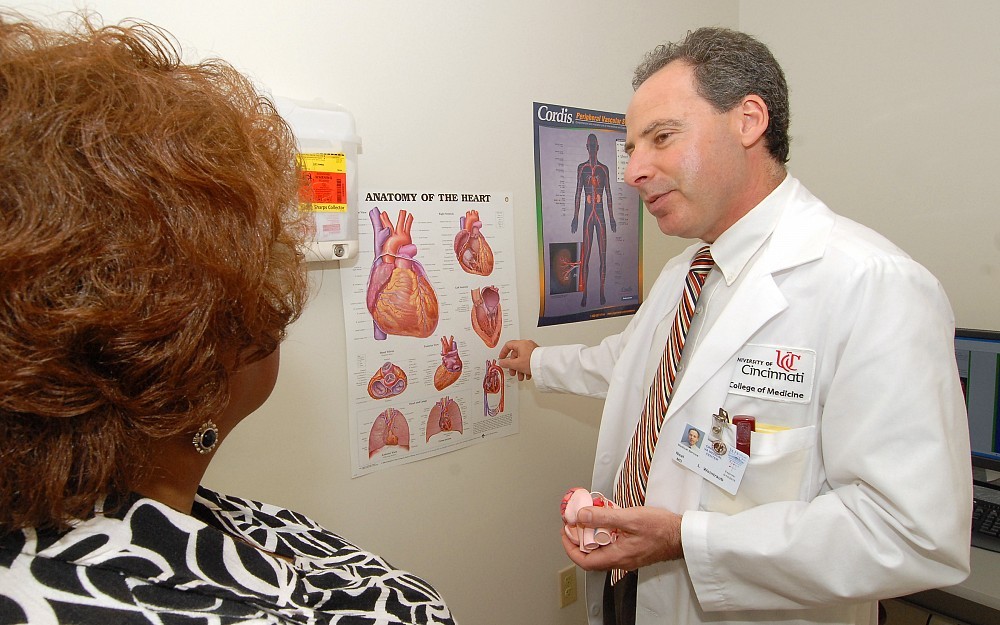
[(589, 219)]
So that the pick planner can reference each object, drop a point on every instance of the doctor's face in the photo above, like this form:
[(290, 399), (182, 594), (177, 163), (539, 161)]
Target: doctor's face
[(693, 436), (685, 158)]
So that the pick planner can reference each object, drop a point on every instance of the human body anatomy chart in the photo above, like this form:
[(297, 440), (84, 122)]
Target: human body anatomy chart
[(427, 304), (589, 220)]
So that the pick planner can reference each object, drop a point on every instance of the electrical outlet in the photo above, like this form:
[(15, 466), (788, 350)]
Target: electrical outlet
[(567, 586)]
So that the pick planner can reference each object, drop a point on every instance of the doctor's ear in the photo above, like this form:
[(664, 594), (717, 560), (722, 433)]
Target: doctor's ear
[(753, 119)]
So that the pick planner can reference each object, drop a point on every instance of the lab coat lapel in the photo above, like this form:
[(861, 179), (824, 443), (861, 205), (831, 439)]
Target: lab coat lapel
[(800, 237), (757, 300)]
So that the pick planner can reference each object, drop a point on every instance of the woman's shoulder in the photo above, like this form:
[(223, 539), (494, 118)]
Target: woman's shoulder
[(330, 566), (144, 562)]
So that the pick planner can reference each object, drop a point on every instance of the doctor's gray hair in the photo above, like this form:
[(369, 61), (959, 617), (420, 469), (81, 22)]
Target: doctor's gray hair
[(729, 65)]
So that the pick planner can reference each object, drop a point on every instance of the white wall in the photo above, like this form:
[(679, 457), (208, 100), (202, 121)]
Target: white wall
[(442, 93), (891, 125), (894, 124)]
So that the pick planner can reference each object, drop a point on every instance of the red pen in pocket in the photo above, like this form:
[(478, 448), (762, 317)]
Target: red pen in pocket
[(744, 425)]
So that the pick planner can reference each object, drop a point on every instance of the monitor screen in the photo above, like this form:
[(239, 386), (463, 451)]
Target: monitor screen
[(978, 355)]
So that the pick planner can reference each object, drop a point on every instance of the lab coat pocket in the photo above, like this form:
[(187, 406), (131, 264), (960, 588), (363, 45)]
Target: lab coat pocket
[(778, 471)]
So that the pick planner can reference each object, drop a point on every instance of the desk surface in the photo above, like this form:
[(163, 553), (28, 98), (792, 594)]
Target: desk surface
[(981, 588), (975, 601), (983, 585)]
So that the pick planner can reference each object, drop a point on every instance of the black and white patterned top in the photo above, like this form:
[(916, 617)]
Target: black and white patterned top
[(147, 563)]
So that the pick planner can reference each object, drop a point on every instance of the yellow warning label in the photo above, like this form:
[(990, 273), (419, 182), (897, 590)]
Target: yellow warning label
[(324, 183)]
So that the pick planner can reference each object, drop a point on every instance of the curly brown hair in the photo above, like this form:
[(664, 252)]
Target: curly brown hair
[(148, 249)]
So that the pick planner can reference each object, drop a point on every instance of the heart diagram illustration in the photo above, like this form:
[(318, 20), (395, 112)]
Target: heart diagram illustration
[(471, 249), (445, 416), (388, 381), (493, 386), (487, 314), (390, 428), (451, 364), (400, 297)]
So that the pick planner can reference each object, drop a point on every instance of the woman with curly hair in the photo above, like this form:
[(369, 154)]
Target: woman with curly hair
[(150, 262)]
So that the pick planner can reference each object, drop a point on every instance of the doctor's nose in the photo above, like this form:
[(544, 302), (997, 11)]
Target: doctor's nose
[(636, 170)]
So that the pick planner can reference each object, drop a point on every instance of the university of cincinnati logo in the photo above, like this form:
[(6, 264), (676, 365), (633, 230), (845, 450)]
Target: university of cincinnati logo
[(786, 360)]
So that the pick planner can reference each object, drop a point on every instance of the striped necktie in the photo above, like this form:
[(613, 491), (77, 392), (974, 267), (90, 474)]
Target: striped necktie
[(630, 489)]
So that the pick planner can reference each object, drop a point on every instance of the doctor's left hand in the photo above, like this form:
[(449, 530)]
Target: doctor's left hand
[(645, 536)]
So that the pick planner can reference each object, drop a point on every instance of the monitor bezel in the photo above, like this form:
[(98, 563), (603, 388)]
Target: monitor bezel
[(990, 462)]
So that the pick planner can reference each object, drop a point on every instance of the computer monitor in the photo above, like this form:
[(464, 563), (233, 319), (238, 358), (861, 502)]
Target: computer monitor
[(978, 355)]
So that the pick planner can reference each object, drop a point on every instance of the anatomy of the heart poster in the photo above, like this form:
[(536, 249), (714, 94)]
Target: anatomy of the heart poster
[(589, 219), (427, 305)]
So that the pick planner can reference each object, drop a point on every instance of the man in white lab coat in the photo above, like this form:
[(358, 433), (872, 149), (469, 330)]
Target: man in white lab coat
[(858, 481)]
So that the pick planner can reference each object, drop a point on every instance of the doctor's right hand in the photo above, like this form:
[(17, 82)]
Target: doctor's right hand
[(515, 356), (646, 535)]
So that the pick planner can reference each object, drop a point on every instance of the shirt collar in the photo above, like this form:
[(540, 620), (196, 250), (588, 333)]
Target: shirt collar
[(735, 247)]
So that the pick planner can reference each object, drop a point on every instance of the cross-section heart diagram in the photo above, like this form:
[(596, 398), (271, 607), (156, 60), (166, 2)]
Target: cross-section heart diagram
[(487, 314), (493, 385), (471, 249), (451, 364), (390, 428), (388, 381), (445, 416), (400, 298)]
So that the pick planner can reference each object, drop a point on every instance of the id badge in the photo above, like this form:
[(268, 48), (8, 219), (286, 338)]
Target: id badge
[(721, 464)]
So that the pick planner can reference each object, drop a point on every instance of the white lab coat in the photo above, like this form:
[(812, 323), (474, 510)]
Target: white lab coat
[(866, 495)]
